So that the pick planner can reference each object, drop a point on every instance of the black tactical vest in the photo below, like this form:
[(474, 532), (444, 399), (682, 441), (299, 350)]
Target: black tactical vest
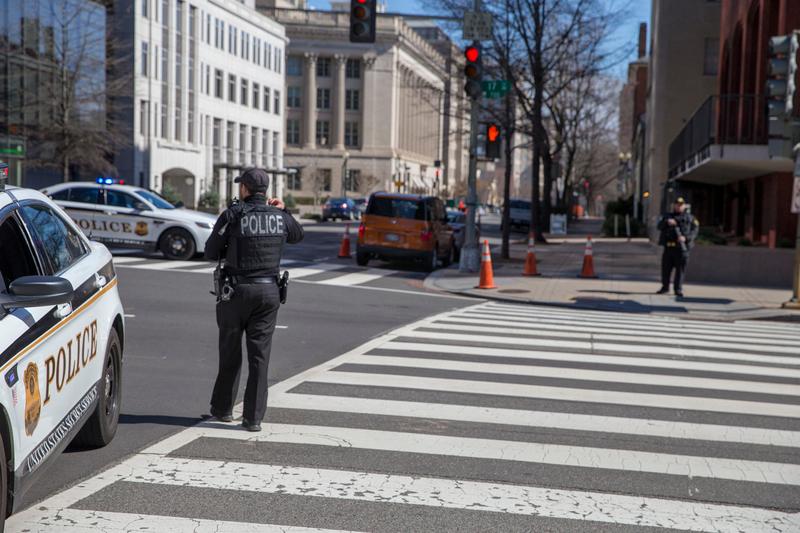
[(258, 233)]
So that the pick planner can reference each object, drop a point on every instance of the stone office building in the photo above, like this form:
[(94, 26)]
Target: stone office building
[(371, 112)]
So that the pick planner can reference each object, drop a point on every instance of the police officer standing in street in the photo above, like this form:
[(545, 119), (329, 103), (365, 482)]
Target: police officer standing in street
[(249, 237), (678, 231)]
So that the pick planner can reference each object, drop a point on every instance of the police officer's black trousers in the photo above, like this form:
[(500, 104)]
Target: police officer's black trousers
[(673, 259), (253, 311)]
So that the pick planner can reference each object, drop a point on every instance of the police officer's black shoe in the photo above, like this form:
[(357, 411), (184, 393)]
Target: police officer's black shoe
[(663, 290), (250, 426), (219, 416), (679, 294)]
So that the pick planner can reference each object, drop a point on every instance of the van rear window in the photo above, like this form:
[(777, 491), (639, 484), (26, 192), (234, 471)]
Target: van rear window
[(396, 208)]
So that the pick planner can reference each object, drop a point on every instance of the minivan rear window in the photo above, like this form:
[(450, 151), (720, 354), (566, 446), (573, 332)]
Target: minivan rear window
[(396, 208)]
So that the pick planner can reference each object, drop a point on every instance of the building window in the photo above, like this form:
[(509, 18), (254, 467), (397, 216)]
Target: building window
[(246, 45), (216, 140), (253, 145), (294, 66), (145, 10), (325, 179), (352, 99), (277, 102), (242, 143), (164, 121), (266, 99), (276, 142), (144, 117), (230, 140), (351, 134), (256, 94), (294, 182), (256, 51), (323, 98), (292, 131), (265, 148), (323, 132), (278, 60), (293, 98), (232, 88), (245, 92), (164, 64), (711, 56), (323, 67), (268, 53), (218, 83), (352, 179), (353, 69), (145, 58)]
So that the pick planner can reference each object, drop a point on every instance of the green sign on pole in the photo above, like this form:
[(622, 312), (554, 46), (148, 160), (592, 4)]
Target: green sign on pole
[(495, 88)]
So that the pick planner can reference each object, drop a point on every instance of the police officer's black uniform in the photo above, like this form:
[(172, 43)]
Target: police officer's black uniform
[(676, 253), (250, 237)]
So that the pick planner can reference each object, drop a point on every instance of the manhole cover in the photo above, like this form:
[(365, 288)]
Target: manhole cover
[(513, 291)]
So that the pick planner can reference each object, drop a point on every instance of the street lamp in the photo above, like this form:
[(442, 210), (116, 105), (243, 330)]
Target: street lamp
[(345, 158)]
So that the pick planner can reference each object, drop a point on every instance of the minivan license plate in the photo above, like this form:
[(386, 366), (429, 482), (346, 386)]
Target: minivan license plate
[(391, 237)]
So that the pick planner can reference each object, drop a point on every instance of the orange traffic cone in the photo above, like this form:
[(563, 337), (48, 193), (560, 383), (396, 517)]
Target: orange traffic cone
[(487, 276), (344, 249), (530, 259), (588, 261)]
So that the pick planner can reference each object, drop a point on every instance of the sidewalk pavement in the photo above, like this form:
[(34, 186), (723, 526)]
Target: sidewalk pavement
[(629, 276)]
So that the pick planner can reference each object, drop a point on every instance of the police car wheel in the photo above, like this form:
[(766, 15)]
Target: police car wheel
[(178, 244), (3, 487), (101, 427)]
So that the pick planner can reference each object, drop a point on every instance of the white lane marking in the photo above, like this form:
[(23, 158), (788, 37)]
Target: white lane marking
[(356, 278), (675, 351), (527, 452), (119, 260), (86, 521), (457, 494), (538, 419), (401, 291), (635, 399), (166, 265), (317, 268), (128, 316), (281, 327), (600, 376), (622, 360), (634, 332)]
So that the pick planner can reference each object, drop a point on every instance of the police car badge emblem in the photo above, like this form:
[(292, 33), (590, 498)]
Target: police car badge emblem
[(141, 229), (33, 400)]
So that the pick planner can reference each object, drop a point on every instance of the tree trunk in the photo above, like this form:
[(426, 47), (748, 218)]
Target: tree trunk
[(547, 201), (505, 251)]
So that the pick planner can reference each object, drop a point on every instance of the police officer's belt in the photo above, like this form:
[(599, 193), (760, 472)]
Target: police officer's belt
[(672, 244), (244, 280)]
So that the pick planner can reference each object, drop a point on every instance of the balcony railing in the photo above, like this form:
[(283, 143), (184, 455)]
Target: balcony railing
[(720, 119)]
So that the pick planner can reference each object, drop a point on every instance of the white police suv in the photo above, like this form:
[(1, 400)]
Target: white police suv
[(122, 216), (61, 340)]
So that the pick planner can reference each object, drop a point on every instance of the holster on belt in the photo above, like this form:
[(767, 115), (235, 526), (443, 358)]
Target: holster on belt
[(283, 286)]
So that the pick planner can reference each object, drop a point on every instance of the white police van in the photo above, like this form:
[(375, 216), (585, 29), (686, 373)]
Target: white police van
[(120, 215), (61, 340)]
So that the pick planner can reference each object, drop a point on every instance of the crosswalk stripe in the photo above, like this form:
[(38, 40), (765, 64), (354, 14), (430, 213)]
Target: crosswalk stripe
[(356, 278), (600, 376), (664, 401), (456, 494), (621, 360), (604, 347), (634, 332), (83, 521), (539, 419)]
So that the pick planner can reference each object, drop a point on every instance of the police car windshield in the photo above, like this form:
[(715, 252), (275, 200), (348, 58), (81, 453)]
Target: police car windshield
[(155, 199)]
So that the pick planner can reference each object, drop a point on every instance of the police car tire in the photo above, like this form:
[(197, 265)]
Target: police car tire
[(3, 487), (100, 429), (362, 258), (191, 248)]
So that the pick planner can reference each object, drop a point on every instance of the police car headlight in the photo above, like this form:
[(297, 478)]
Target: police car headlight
[(204, 225)]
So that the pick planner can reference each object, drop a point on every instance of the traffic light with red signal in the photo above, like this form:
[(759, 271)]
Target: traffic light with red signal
[(493, 141), (363, 18), (473, 71)]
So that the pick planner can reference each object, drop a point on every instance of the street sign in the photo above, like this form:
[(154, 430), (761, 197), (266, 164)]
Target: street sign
[(477, 26), (796, 196), (495, 88)]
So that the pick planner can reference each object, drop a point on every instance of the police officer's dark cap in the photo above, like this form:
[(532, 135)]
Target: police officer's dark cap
[(255, 179)]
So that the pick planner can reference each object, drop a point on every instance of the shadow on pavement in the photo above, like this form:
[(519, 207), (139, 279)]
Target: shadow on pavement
[(163, 420), (628, 306)]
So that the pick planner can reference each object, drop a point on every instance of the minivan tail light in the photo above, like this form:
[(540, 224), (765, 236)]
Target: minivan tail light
[(426, 235), (362, 229)]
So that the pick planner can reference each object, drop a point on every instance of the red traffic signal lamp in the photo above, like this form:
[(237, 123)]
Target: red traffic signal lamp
[(493, 141), (363, 17), (473, 71)]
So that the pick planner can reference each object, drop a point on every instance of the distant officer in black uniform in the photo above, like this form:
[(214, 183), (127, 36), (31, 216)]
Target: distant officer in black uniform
[(678, 231), (249, 236)]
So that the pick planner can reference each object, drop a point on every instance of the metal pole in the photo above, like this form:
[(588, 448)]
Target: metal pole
[(470, 254), (794, 303)]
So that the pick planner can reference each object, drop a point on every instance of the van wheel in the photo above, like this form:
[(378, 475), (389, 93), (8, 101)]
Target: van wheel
[(448, 257), (101, 427), (362, 258), (178, 244)]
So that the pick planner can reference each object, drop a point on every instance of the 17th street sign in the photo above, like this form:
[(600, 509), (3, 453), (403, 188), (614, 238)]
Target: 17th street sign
[(495, 88)]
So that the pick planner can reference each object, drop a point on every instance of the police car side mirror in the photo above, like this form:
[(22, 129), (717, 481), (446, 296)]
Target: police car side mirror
[(36, 291)]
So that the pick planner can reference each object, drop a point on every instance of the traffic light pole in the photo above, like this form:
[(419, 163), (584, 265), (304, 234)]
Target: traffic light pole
[(794, 303), (470, 260)]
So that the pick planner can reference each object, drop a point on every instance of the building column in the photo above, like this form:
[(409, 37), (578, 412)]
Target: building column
[(369, 90), (310, 101), (338, 102)]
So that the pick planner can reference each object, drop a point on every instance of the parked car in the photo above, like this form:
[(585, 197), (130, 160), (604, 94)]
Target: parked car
[(458, 223), (61, 336), (405, 226), (132, 217), (340, 208), (520, 216)]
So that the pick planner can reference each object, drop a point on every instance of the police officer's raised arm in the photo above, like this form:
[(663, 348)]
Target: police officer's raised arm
[(215, 245)]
